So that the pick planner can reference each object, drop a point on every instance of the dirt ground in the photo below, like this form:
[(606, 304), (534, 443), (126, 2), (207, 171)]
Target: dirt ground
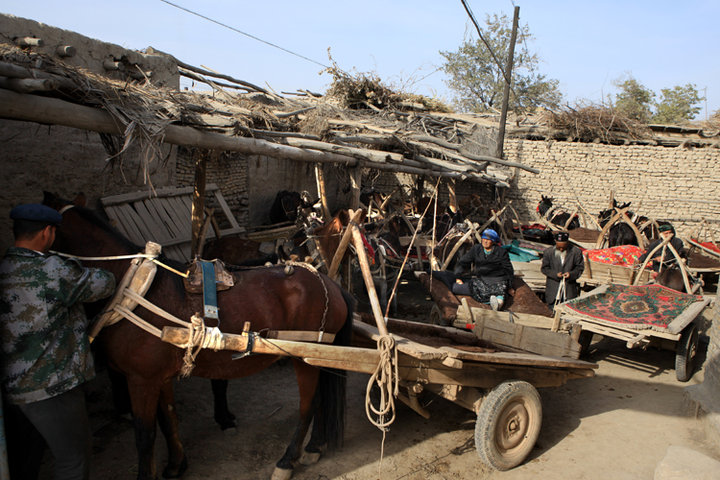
[(616, 425)]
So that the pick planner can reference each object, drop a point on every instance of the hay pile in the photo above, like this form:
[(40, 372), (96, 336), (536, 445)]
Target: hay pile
[(592, 123)]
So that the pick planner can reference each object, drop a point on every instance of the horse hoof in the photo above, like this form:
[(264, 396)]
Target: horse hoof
[(176, 472), (309, 458), (281, 474), (230, 432)]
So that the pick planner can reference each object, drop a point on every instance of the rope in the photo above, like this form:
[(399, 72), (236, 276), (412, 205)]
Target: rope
[(385, 377), (200, 337), (153, 258), (560, 297)]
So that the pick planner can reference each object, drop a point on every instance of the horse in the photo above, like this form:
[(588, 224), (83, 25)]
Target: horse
[(560, 218), (271, 298), (288, 204), (621, 233)]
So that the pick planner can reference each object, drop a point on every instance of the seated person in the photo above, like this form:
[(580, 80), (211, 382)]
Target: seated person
[(491, 275), (664, 256)]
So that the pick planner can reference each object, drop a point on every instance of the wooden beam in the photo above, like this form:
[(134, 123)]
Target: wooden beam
[(32, 108)]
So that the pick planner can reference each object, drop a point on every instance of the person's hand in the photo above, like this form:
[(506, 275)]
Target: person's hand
[(459, 281), (560, 275), (511, 291)]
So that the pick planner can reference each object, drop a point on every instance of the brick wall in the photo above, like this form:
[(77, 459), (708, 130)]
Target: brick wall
[(675, 184)]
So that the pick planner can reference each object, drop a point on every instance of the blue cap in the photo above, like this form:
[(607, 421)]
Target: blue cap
[(490, 234), (36, 212)]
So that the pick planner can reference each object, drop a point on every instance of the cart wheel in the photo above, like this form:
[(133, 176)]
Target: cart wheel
[(508, 424), (686, 352), (584, 340), (436, 317)]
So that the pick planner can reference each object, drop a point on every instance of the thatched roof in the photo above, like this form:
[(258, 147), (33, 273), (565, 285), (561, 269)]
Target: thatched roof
[(401, 135)]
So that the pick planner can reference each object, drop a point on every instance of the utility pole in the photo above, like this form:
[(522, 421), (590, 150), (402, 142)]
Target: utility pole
[(508, 78)]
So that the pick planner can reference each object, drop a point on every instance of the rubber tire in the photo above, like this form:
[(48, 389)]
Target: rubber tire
[(585, 339), (510, 404), (686, 353)]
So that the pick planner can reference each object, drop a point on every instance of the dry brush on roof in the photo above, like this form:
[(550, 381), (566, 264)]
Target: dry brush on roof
[(400, 137)]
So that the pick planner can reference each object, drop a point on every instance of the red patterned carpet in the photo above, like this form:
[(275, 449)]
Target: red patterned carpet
[(647, 306)]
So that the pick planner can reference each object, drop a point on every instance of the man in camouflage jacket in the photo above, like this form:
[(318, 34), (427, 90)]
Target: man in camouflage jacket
[(43, 336)]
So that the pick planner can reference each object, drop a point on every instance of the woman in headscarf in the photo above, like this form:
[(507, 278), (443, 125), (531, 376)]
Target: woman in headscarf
[(490, 271)]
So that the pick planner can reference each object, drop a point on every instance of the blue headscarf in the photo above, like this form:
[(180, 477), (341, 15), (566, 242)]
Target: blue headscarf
[(490, 234)]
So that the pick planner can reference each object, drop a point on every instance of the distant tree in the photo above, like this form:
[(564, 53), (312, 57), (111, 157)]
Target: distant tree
[(478, 82), (634, 100), (677, 104)]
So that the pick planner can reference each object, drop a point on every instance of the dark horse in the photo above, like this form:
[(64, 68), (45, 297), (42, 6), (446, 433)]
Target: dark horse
[(560, 218), (269, 298), (620, 233)]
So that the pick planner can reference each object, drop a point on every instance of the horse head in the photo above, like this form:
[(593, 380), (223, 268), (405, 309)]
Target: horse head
[(83, 232), (544, 205)]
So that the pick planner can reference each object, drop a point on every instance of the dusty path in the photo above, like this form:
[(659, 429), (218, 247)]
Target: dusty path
[(617, 425)]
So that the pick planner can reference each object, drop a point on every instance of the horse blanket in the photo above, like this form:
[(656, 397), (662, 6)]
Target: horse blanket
[(624, 255), (636, 307)]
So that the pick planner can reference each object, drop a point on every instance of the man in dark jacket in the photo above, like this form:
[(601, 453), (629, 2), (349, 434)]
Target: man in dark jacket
[(663, 255), (562, 265)]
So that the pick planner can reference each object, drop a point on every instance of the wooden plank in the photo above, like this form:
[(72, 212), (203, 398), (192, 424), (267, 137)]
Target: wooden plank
[(128, 225), (618, 331), (413, 349), (114, 219), (522, 358), (179, 223), (156, 208), (531, 339), (158, 231), (688, 315), (226, 209), (159, 193), (133, 216), (527, 319)]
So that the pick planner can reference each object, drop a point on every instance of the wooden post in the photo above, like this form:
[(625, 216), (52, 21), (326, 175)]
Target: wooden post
[(508, 77), (355, 187), (367, 277), (452, 202), (198, 202), (320, 179), (344, 241)]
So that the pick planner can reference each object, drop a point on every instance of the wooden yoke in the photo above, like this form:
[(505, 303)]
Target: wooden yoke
[(621, 215), (681, 264)]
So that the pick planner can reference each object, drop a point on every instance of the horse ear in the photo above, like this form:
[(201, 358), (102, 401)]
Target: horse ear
[(80, 200), (51, 200)]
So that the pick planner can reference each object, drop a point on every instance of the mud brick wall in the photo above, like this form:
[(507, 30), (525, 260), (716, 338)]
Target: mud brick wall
[(676, 184), (92, 54), (228, 170)]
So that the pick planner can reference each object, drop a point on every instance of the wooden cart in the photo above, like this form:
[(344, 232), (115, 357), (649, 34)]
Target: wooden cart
[(681, 334), (598, 273), (498, 384)]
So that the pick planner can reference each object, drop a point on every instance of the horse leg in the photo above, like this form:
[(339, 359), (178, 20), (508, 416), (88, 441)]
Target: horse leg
[(144, 398), (167, 418), (223, 415), (307, 379)]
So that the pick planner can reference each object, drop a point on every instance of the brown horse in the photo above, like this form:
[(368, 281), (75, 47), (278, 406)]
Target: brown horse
[(269, 298)]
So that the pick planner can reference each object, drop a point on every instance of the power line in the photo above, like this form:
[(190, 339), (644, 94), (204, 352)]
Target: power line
[(244, 33)]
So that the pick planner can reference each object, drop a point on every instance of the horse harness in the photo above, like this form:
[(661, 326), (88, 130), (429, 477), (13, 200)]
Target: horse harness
[(137, 280)]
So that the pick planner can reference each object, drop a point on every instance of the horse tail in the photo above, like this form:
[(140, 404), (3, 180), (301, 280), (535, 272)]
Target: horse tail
[(330, 396)]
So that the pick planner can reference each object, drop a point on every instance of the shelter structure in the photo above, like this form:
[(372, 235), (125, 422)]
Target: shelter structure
[(48, 76)]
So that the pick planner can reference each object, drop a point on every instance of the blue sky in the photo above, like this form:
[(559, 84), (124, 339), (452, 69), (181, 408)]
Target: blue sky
[(585, 45)]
